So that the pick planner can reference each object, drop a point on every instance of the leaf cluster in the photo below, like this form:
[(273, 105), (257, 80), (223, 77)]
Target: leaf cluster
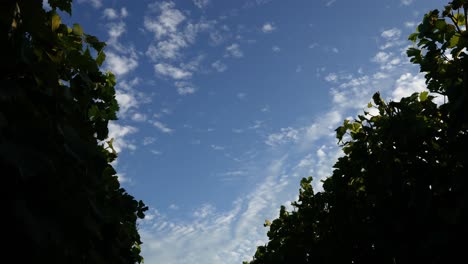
[(55, 105), (440, 50), (400, 192)]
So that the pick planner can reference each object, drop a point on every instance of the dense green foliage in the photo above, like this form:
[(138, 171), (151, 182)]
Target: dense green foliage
[(55, 105), (399, 194)]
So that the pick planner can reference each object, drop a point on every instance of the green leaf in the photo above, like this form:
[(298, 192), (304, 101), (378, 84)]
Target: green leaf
[(460, 19), (377, 99), (423, 96), (77, 29), (441, 24), (94, 42), (55, 21), (64, 5), (454, 41), (413, 37), (100, 58)]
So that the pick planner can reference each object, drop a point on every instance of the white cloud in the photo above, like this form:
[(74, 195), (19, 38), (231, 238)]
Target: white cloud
[(408, 84), (95, 3), (330, 2), (184, 88), (335, 50), (138, 117), (219, 66), (275, 49), (204, 211), (122, 178), (234, 173), (234, 51), (406, 2), (410, 24), (110, 13), (331, 77), (285, 135), (216, 147), (391, 38), (381, 57), (216, 37), (148, 140), (155, 152), (232, 235), (162, 127), (379, 75), (391, 34), (166, 22), (268, 27), (129, 98), (201, 3), (126, 100), (119, 134), (121, 64), (313, 45), (123, 12), (115, 30), (173, 207), (167, 49), (170, 33), (171, 71)]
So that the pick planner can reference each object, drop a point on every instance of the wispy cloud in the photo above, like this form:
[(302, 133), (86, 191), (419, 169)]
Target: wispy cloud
[(121, 64), (126, 101), (176, 73), (330, 3), (276, 48), (238, 231), (219, 66), (184, 88), (162, 127), (112, 14), (234, 51), (234, 173), (201, 3), (95, 3), (173, 207), (148, 140), (286, 135), (204, 211), (313, 45), (138, 117), (268, 27), (128, 97), (406, 2), (171, 36), (391, 34), (217, 147), (167, 22), (230, 236), (408, 84), (120, 133)]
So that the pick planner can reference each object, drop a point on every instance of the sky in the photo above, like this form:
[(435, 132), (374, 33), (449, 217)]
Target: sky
[(226, 104)]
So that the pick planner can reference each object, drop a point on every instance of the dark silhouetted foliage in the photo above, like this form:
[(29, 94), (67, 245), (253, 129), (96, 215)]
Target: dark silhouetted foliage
[(399, 194), (55, 105)]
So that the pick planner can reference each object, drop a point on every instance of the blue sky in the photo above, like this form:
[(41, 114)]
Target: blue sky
[(226, 105)]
